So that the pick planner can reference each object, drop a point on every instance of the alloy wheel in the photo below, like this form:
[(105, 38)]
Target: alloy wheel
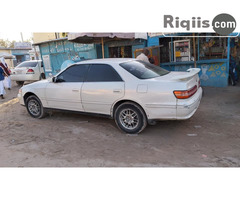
[(129, 119)]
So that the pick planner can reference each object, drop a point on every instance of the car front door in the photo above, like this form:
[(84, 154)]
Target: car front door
[(65, 91), (102, 87)]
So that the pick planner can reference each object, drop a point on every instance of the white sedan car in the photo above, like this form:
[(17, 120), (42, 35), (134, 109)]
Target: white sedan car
[(132, 92), (28, 71)]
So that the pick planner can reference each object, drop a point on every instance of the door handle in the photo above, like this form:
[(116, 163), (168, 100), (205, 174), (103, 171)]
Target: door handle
[(117, 91), (76, 90)]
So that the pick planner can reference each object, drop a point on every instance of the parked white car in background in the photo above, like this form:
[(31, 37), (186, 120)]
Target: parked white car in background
[(132, 92), (28, 71)]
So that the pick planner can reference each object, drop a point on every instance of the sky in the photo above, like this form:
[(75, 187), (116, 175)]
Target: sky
[(15, 36)]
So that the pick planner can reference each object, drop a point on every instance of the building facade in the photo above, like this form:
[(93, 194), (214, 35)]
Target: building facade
[(59, 53), (19, 54), (174, 52)]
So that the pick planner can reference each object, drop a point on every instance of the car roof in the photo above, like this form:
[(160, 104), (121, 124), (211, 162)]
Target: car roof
[(106, 60)]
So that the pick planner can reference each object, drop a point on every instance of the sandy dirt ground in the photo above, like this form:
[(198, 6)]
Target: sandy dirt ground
[(211, 138)]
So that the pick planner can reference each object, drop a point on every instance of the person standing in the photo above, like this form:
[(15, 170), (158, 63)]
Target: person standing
[(2, 90), (144, 56), (7, 80), (232, 70)]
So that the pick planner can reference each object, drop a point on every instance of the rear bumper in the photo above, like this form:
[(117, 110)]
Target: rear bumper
[(187, 107), (182, 109), (25, 77)]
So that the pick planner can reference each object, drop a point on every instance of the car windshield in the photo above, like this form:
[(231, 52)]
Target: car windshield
[(28, 64), (143, 70)]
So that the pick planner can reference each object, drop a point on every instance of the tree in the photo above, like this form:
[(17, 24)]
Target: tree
[(4, 43), (10, 44)]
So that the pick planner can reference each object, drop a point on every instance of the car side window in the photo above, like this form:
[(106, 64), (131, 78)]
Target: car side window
[(102, 73), (75, 73)]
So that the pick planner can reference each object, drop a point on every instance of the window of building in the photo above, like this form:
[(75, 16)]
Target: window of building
[(212, 47), (120, 52), (165, 50), (207, 45), (177, 48), (183, 48)]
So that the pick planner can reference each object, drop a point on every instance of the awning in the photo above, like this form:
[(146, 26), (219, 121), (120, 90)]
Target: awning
[(154, 34), (89, 38), (7, 56), (96, 37)]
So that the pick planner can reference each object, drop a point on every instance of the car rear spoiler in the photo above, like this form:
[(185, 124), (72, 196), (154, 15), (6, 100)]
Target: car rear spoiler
[(191, 72)]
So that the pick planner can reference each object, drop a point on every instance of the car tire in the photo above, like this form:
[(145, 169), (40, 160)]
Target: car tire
[(20, 83), (34, 107), (42, 76), (130, 118)]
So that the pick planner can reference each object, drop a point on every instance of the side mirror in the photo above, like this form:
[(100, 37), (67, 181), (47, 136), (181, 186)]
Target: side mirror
[(57, 80)]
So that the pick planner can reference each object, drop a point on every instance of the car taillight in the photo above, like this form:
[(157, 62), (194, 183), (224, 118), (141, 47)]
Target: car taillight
[(10, 72), (30, 71), (199, 83), (185, 94)]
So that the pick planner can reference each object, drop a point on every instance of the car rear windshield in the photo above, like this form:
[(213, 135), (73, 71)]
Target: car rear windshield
[(28, 64), (143, 70)]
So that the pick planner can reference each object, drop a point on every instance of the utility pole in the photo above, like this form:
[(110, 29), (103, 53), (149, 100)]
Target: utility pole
[(21, 36)]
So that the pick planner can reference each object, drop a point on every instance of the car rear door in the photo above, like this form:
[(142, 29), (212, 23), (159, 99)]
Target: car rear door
[(65, 92), (102, 87)]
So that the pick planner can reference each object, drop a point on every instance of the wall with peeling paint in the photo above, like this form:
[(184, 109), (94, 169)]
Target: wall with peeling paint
[(55, 53), (214, 73)]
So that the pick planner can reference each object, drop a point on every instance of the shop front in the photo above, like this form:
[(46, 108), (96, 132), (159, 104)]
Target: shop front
[(206, 51), (112, 45), (59, 53)]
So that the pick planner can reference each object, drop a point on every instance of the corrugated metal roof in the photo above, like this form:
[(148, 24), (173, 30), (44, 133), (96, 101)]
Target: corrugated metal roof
[(6, 55), (4, 48), (55, 40)]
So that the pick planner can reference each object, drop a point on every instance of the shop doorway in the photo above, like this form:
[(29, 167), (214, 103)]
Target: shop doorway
[(19, 59), (120, 52)]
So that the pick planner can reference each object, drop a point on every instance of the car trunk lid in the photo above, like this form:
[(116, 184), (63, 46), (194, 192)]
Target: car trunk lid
[(25, 70), (188, 78), (186, 75)]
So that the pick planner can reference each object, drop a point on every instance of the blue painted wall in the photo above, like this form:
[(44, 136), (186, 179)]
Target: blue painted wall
[(213, 73), (153, 41), (60, 51)]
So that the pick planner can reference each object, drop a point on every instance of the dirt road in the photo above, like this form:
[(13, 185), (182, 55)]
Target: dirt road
[(210, 138)]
